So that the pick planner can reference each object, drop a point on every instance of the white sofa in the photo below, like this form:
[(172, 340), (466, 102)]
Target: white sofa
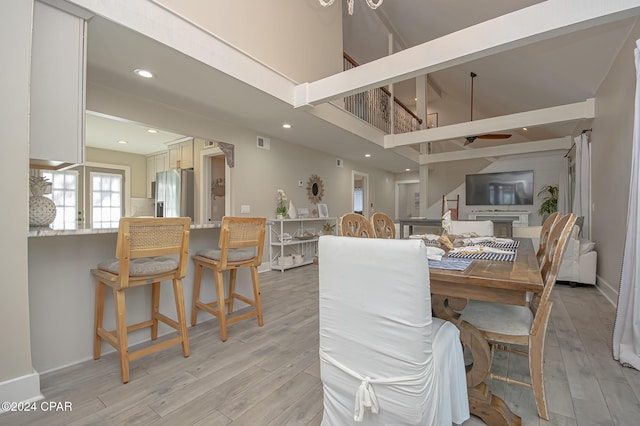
[(579, 260), (483, 228)]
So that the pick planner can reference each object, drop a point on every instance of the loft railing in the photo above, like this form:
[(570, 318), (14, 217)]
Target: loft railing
[(374, 107)]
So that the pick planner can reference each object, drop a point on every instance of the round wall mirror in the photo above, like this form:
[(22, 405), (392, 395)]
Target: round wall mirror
[(315, 189)]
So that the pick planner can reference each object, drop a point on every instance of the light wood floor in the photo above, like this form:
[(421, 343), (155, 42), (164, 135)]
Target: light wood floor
[(270, 375)]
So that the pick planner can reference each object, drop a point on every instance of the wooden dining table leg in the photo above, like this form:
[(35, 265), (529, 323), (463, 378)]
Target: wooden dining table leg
[(482, 403)]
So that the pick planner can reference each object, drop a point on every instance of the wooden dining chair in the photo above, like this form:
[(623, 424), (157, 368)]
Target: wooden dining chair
[(355, 225), (148, 251), (383, 225), (240, 245), (544, 234), (505, 325)]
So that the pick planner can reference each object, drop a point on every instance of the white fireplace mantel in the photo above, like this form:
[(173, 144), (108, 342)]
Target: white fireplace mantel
[(520, 218)]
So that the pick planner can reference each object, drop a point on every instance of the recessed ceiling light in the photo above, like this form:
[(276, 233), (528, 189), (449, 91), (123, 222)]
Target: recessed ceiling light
[(143, 73), (367, 155), (152, 131), (286, 125), (122, 142), (525, 129), (407, 170)]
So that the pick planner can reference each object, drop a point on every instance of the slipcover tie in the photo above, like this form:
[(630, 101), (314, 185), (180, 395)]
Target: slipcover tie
[(365, 395)]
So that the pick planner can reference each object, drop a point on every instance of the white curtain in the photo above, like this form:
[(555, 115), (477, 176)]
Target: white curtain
[(581, 196), (626, 333), (564, 188)]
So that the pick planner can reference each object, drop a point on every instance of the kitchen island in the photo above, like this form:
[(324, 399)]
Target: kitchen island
[(62, 291)]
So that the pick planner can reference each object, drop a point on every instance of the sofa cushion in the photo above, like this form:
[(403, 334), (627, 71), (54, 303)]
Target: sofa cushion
[(586, 246)]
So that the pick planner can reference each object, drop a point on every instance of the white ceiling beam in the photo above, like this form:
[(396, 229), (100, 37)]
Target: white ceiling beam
[(498, 151), (522, 27), (552, 115), (408, 153)]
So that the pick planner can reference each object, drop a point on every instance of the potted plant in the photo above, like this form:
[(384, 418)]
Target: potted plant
[(281, 209), (549, 196)]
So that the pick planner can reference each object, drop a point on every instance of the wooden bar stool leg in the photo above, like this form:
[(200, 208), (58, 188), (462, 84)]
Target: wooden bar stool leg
[(222, 316), (182, 316), (256, 294), (99, 315), (196, 293), (155, 308), (121, 333), (232, 289)]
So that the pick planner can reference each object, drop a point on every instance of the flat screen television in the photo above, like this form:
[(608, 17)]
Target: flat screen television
[(500, 189)]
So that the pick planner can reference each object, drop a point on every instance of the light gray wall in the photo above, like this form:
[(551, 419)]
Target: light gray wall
[(138, 164), (258, 173), (275, 32), (611, 163), (15, 33), (546, 171)]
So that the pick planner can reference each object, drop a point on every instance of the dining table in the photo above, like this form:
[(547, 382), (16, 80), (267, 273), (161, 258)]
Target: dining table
[(493, 281)]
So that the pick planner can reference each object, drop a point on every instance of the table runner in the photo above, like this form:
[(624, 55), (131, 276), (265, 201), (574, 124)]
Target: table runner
[(486, 256), (451, 263)]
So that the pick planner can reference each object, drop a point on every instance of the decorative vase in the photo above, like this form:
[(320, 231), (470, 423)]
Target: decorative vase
[(42, 210)]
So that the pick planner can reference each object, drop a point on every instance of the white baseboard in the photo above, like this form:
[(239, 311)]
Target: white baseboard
[(21, 389), (609, 293)]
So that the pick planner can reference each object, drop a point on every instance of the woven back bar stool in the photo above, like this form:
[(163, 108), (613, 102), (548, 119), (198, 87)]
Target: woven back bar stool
[(240, 246), (148, 251)]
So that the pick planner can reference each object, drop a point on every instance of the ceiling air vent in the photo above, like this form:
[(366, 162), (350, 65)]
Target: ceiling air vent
[(264, 143)]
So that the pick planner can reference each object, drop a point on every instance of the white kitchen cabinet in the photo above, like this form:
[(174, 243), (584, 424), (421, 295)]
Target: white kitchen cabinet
[(280, 245), (155, 163), (181, 155), (57, 88)]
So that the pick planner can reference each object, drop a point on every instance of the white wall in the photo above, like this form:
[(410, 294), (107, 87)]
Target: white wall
[(611, 163), (546, 171), (274, 32), (15, 32)]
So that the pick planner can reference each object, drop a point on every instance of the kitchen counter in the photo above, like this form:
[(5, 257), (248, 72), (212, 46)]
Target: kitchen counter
[(62, 291), (49, 232)]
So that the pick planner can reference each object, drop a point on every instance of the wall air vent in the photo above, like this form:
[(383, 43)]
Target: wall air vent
[(263, 142), (339, 162)]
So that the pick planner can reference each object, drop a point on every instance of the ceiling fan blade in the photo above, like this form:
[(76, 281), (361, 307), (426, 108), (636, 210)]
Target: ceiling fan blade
[(495, 136)]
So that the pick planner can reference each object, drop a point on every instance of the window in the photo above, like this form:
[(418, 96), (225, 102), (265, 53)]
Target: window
[(106, 200), (64, 192)]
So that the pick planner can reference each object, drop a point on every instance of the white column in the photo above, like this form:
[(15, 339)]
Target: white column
[(18, 381)]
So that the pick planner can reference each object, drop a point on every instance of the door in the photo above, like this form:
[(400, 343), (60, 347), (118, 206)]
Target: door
[(215, 199), (407, 199), (360, 193)]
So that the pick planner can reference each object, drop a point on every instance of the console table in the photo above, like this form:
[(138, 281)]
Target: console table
[(411, 222), (518, 218)]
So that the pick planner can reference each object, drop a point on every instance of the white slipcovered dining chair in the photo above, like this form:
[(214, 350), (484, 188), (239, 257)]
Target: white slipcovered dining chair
[(484, 228), (379, 345)]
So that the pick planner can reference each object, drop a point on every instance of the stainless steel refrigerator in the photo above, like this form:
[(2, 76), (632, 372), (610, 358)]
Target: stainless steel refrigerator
[(175, 193)]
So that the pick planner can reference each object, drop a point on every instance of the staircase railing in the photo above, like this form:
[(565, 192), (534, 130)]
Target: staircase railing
[(374, 107)]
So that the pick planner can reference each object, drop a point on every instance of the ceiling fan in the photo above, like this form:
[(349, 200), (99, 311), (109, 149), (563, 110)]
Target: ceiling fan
[(471, 139)]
